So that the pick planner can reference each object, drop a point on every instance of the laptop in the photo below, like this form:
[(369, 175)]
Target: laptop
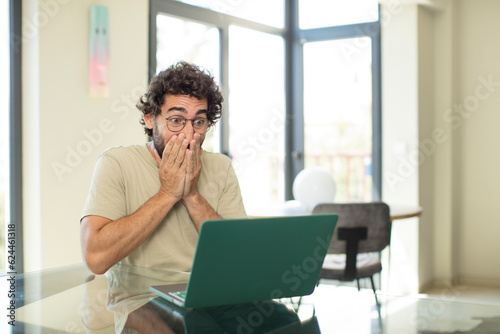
[(245, 260)]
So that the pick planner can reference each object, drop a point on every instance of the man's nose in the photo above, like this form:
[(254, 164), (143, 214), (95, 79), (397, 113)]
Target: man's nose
[(188, 130)]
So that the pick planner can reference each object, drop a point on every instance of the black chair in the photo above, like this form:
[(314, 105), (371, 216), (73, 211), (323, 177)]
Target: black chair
[(362, 229)]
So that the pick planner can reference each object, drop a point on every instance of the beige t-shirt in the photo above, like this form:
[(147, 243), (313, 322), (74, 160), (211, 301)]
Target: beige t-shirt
[(126, 177)]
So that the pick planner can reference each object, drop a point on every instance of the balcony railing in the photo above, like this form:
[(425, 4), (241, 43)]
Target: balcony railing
[(351, 172)]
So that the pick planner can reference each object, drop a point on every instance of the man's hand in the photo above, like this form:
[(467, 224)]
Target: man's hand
[(193, 168), (180, 170), (173, 166)]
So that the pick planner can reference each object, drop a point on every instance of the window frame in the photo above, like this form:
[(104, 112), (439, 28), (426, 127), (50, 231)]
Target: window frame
[(294, 39)]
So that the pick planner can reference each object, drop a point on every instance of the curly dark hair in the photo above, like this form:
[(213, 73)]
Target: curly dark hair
[(181, 78)]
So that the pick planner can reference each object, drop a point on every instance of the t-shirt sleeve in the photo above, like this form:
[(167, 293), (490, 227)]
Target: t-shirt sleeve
[(231, 202), (106, 196)]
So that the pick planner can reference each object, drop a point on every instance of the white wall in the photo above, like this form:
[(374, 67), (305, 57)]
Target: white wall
[(445, 76), (59, 117), (429, 138), (478, 182), (453, 49), (399, 138)]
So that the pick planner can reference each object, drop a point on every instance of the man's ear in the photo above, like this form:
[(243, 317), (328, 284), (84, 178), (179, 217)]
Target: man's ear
[(149, 120)]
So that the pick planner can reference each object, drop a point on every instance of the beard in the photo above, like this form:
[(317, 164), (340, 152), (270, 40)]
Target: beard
[(159, 140)]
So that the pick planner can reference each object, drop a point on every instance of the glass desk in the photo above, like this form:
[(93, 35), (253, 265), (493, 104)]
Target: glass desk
[(71, 300)]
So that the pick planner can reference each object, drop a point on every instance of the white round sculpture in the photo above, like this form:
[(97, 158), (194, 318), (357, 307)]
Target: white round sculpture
[(312, 186)]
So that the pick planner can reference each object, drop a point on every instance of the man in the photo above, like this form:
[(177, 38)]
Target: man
[(147, 202)]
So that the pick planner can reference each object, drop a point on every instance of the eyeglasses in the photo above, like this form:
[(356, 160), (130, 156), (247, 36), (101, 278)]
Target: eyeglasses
[(177, 123)]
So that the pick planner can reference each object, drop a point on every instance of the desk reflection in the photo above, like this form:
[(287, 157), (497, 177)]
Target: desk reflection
[(120, 302)]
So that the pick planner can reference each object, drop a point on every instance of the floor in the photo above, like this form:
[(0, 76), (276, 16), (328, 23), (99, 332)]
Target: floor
[(461, 309), (468, 294)]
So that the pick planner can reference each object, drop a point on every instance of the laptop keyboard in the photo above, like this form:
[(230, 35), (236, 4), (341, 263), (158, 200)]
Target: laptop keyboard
[(179, 294)]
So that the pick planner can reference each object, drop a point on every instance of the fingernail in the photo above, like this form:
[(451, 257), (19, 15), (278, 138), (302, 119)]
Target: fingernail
[(185, 142), (181, 136), (174, 138)]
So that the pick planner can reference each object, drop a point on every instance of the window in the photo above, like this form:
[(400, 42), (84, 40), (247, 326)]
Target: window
[(328, 13), (194, 42), (299, 92), (262, 11), (338, 115), (256, 99)]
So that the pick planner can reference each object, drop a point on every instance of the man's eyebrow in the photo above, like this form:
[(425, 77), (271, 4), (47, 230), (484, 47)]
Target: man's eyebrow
[(181, 109)]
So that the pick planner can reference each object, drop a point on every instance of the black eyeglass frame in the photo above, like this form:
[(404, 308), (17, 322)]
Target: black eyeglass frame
[(209, 124)]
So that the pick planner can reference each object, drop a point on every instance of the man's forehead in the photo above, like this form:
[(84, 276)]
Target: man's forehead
[(184, 104)]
